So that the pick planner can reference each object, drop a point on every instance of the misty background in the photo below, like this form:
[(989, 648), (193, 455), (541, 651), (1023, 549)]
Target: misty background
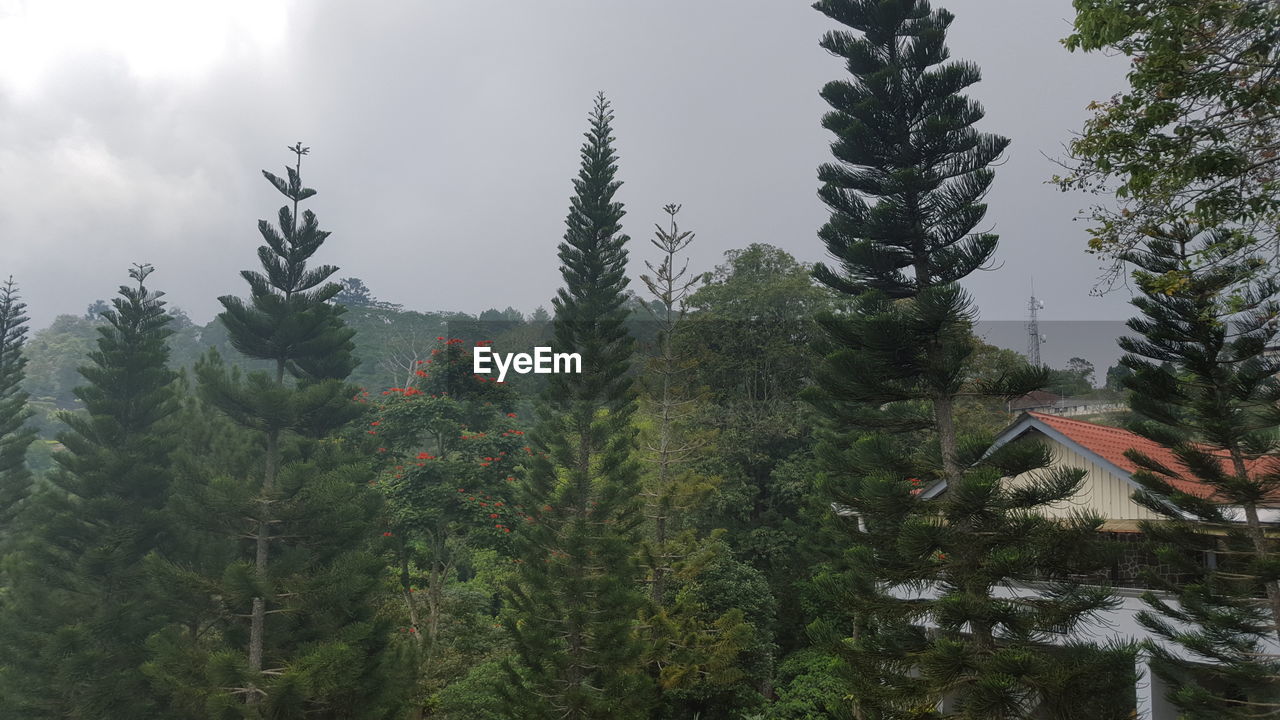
[(445, 136)]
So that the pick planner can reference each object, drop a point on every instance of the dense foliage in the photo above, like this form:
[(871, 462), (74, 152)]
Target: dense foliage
[(772, 491), (1206, 387), (932, 529), (78, 612), (1195, 137)]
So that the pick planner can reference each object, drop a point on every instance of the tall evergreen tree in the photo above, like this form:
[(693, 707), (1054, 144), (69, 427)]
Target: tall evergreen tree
[(15, 434), (76, 617), (669, 445), (1205, 385), (574, 605), (313, 646), (698, 653), (905, 196)]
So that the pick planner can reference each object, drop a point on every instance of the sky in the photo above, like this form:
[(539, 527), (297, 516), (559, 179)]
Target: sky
[(445, 135)]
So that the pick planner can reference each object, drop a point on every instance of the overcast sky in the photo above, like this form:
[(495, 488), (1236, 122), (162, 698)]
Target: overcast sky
[(444, 135)]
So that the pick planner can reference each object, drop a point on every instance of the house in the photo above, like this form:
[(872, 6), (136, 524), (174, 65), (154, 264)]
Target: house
[(1107, 490), (1051, 404)]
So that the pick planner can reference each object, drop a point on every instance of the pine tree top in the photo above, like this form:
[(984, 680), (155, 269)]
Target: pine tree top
[(589, 310), (13, 331), (289, 317), (905, 193), (15, 435), (128, 391)]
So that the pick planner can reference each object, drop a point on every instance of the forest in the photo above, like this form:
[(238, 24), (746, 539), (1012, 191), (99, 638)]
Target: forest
[(773, 492)]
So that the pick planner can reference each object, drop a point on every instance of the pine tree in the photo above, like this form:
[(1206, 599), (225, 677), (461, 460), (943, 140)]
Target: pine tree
[(574, 604), (697, 654), (15, 434), (77, 616), (669, 445), (1205, 386), (905, 196), (313, 647)]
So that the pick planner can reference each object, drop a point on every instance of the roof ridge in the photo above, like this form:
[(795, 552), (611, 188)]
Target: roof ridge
[(1112, 444)]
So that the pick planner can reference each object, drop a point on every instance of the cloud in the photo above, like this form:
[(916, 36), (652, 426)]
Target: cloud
[(445, 136)]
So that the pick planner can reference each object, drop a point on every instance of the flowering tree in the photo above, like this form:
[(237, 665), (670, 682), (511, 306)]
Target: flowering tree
[(447, 447)]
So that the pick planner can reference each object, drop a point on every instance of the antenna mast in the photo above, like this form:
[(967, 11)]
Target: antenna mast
[(1034, 338)]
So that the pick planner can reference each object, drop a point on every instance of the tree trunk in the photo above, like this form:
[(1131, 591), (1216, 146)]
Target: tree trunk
[(1258, 534), (258, 617), (435, 595), (943, 411)]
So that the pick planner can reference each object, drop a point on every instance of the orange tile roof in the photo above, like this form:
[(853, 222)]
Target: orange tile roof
[(1110, 443)]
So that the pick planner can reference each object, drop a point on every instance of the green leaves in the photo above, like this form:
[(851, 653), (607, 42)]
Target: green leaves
[(1192, 142), (1204, 388)]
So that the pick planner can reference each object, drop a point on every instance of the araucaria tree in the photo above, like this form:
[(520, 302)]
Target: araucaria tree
[(574, 604), (75, 620), (1204, 386), (931, 633), (15, 435), (669, 445), (303, 585)]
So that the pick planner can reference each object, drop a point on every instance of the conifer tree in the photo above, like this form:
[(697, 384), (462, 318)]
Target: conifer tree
[(574, 604), (312, 646), (905, 195), (76, 618), (669, 445), (15, 434), (1205, 386), (696, 654)]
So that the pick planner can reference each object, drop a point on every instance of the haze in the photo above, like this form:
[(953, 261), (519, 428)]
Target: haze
[(444, 136)]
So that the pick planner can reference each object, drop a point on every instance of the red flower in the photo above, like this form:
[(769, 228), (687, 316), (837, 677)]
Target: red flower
[(376, 422), (493, 516), (511, 414)]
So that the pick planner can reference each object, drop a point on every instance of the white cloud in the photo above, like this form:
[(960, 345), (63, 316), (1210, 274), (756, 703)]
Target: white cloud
[(154, 38)]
